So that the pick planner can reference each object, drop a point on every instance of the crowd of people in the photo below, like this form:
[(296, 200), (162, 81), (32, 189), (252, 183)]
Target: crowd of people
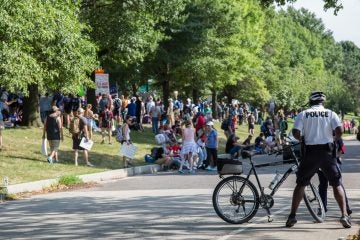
[(187, 138)]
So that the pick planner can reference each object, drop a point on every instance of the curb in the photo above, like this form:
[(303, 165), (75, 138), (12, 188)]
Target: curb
[(93, 177)]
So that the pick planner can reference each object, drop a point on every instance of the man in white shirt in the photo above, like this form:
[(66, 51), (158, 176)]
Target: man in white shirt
[(317, 125)]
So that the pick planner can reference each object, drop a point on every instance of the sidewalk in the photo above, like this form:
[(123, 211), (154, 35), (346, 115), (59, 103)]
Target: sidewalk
[(94, 177)]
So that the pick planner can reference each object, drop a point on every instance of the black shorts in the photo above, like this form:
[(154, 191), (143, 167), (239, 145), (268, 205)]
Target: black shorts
[(251, 126), (116, 112), (76, 143), (315, 159)]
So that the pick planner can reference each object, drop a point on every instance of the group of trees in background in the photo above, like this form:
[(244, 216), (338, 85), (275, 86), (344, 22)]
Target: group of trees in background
[(244, 49)]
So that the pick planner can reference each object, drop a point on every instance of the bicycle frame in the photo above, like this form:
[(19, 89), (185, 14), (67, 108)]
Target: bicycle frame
[(268, 164), (252, 170)]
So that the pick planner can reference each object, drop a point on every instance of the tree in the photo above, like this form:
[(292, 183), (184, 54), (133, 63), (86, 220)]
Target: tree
[(351, 72), (43, 47), (299, 56), (127, 32), (328, 4), (219, 41)]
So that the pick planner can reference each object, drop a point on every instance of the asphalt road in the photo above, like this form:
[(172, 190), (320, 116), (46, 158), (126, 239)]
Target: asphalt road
[(170, 206)]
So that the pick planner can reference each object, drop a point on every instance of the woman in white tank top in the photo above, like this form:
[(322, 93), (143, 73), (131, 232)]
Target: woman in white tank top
[(189, 147)]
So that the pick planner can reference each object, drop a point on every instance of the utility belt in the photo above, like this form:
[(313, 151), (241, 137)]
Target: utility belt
[(327, 146)]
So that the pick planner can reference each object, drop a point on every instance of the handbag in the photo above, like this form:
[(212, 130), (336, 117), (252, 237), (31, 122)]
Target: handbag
[(44, 147), (128, 150)]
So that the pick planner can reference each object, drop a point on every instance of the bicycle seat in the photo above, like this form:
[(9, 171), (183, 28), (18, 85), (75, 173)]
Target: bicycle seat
[(247, 154)]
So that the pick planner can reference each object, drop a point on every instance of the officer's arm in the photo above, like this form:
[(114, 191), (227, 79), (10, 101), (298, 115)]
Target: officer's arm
[(338, 133), (296, 133)]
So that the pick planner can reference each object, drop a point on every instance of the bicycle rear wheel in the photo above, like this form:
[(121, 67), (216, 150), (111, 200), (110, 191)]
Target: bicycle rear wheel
[(313, 203), (235, 200)]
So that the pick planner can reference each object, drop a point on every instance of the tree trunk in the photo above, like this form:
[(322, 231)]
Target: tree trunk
[(166, 86), (213, 101), (195, 93), (91, 96), (31, 116), (166, 91)]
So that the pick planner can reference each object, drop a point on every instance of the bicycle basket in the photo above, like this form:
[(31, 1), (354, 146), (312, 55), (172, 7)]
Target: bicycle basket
[(227, 165)]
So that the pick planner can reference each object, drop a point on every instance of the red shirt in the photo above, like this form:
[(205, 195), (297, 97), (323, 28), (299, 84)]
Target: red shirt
[(200, 122)]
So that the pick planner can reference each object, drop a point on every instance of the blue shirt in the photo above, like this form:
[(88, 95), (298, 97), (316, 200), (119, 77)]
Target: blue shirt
[(132, 109), (1, 108), (211, 141)]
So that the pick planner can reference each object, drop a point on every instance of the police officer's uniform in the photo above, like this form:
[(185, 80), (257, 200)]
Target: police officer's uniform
[(317, 125)]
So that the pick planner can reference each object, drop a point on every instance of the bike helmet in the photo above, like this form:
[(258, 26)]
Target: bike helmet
[(317, 97)]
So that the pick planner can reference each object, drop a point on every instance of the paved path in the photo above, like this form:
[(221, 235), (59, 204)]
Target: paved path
[(168, 206)]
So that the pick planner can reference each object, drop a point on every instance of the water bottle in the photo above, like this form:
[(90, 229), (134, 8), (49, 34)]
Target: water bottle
[(275, 180)]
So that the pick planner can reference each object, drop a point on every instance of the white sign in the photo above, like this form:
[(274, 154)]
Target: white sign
[(86, 144), (102, 83), (128, 150)]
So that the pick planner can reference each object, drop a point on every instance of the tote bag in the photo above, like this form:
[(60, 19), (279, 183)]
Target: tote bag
[(128, 150), (44, 147)]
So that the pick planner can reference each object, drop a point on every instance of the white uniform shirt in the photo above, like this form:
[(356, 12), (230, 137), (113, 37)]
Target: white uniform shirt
[(317, 124)]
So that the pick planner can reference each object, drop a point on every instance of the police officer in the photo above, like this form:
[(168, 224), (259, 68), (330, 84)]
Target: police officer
[(317, 125)]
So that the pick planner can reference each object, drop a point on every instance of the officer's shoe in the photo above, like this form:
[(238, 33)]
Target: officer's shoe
[(345, 221), (291, 221)]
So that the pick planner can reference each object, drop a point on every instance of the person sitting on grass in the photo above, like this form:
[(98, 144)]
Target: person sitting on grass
[(171, 154)]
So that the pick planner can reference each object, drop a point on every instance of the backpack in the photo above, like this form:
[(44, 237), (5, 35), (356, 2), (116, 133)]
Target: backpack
[(149, 159), (285, 125), (107, 117), (263, 128), (75, 126), (225, 124), (103, 103), (119, 134), (117, 103)]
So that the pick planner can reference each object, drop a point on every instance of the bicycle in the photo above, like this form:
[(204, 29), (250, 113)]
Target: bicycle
[(236, 200)]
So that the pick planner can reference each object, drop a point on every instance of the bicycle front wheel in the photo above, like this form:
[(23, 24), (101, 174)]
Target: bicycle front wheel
[(235, 200), (313, 203)]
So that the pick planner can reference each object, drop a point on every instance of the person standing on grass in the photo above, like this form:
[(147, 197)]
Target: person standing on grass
[(2, 126), (53, 131), (45, 106), (211, 146), (189, 147), (106, 121), (127, 140), (89, 115), (79, 130)]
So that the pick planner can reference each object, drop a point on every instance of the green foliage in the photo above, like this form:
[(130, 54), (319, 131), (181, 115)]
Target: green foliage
[(42, 43), (328, 4), (69, 180)]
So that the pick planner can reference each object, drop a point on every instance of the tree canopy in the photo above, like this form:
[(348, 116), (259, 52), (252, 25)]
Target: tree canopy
[(234, 49)]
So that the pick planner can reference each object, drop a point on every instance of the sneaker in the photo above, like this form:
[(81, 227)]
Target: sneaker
[(345, 221), (50, 160), (214, 168), (181, 171), (209, 168), (291, 221), (192, 171), (89, 164)]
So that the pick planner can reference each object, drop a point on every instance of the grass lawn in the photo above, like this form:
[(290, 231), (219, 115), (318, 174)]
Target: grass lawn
[(21, 160)]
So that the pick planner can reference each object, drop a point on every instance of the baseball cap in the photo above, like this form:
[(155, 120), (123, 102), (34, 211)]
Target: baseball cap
[(210, 123)]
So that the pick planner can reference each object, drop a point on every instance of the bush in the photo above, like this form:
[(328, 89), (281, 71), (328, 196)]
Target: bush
[(69, 180)]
